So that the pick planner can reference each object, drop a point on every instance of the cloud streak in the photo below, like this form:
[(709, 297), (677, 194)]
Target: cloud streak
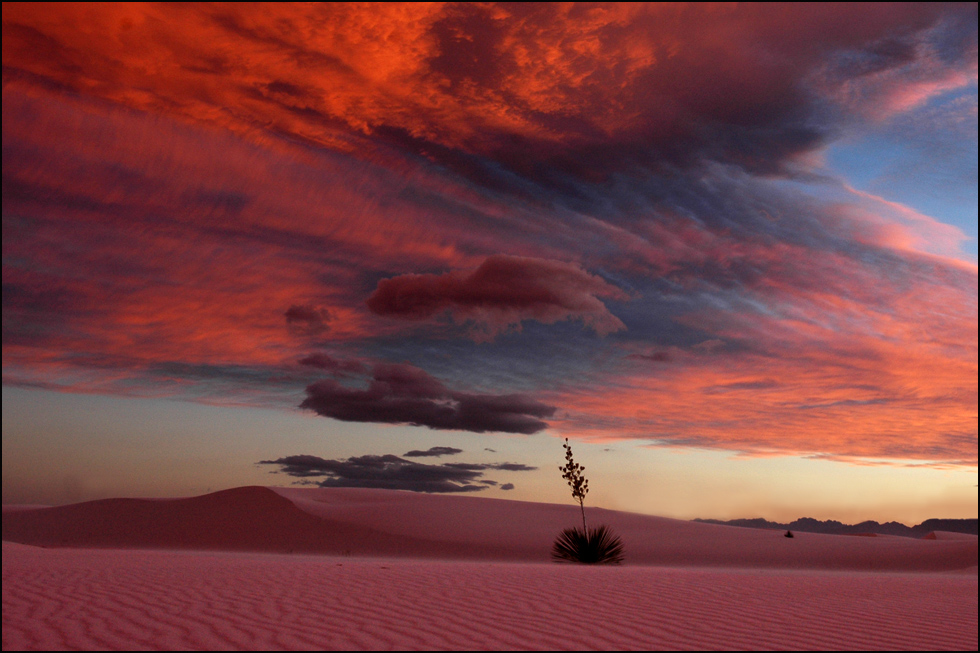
[(433, 452)]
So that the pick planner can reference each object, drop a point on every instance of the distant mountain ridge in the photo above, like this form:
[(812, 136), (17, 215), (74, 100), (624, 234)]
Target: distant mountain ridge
[(810, 525)]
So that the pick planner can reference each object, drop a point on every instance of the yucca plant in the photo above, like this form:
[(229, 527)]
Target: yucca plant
[(589, 546), (597, 546)]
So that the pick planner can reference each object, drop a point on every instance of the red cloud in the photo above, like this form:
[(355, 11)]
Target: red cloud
[(536, 86), (500, 293)]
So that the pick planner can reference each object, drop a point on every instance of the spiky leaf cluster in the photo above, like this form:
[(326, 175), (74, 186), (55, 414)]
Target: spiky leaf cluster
[(572, 472), (593, 546)]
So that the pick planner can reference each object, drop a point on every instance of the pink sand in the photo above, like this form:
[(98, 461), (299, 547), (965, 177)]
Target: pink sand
[(279, 568)]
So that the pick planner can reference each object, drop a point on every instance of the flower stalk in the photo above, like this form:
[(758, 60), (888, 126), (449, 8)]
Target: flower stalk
[(572, 472)]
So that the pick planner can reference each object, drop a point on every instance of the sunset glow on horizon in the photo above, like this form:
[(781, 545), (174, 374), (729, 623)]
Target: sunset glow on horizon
[(729, 251)]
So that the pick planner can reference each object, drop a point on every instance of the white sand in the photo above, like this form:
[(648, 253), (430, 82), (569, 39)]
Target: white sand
[(459, 572)]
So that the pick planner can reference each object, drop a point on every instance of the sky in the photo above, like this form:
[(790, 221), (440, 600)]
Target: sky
[(728, 251)]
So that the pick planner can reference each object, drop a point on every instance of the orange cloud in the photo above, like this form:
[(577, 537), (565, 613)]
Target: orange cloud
[(848, 378), (491, 80)]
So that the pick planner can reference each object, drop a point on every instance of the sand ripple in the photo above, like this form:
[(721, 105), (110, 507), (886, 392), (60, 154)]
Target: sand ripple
[(126, 599)]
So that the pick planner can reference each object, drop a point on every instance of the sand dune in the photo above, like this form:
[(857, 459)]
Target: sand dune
[(382, 569), (364, 522), (946, 535)]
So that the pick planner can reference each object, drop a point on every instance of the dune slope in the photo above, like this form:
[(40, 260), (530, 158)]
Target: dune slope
[(240, 519), (389, 523)]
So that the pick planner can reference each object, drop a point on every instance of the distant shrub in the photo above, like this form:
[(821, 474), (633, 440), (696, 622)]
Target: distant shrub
[(589, 546)]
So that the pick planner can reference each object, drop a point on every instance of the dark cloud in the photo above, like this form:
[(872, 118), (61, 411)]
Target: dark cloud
[(387, 472), (307, 318), (656, 357), (392, 473), (340, 367), (507, 486), (512, 467), (500, 293), (433, 451), (470, 467), (507, 467), (403, 394)]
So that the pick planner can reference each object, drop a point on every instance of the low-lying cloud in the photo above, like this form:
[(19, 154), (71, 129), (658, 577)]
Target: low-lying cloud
[(433, 452), (391, 472)]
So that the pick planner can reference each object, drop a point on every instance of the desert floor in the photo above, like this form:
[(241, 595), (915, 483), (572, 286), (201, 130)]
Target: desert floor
[(260, 568)]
